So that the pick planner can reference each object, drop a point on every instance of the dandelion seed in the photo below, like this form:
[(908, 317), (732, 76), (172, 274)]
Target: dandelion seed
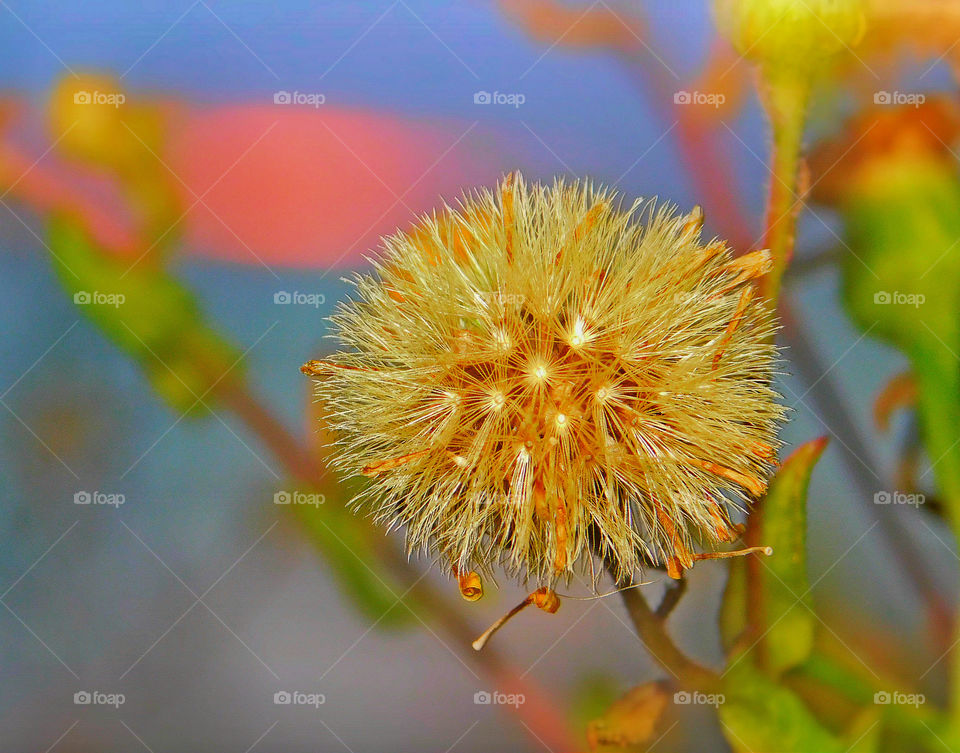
[(541, 375)]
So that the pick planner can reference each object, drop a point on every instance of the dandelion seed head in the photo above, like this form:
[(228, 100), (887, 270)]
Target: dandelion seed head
[(539, 373)]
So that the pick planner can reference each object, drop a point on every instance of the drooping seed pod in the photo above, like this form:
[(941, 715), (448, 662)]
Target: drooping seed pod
[(540, 375)]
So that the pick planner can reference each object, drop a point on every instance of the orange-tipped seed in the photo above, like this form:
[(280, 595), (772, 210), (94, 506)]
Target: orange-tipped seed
[(544, 598)]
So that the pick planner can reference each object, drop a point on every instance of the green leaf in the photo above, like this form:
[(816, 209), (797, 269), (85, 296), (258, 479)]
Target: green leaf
[(759, 715), (788, 624), (733, 608), (349, 545), (148, 314), (902, 284), (838, 690)]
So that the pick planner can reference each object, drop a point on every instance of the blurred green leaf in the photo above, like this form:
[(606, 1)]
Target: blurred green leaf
[(760, 715), (863, 734), (348, 545), (145, 312), (902, 284), (839, 691)]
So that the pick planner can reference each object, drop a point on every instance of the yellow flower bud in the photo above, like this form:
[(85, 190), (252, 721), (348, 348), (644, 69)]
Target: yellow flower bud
[(800, 35), (96, 122)]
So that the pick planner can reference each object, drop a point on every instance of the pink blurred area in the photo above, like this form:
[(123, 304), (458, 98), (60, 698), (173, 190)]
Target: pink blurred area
[(313, 188), (277, 185)]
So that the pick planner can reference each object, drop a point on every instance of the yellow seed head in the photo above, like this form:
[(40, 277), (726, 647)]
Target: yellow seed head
[(540, 374)]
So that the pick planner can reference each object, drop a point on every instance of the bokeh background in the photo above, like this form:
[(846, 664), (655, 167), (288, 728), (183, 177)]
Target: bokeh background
[(198, 598)]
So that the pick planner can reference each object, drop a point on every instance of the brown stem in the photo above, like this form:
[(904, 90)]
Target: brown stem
[(671, 598), (652, 632), (259, 420)]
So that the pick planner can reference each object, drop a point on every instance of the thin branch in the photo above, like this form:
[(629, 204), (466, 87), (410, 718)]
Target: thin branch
[(652, 632), (671, 597)]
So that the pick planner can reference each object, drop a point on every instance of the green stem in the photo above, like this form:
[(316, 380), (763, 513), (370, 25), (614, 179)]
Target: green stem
[(785, 98)]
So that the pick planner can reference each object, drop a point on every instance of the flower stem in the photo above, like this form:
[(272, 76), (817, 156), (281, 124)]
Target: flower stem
[(785, 98), (651, 629)]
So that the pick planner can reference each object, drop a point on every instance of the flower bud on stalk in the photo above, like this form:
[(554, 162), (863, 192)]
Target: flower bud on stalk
[(792, 43)]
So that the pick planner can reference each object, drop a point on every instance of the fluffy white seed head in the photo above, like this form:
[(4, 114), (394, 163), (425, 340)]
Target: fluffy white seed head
[(539, 374)]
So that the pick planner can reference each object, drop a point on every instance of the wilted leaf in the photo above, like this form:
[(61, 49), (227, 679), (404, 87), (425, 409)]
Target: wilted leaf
[(592, 696), (631, 719)]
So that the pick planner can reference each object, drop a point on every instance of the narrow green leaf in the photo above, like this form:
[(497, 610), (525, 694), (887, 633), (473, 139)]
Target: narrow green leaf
[(733, 608), (788, 624), (147, 313), (348, 545)]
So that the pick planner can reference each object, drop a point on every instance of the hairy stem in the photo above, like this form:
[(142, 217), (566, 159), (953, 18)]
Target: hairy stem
[(785, 98)]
